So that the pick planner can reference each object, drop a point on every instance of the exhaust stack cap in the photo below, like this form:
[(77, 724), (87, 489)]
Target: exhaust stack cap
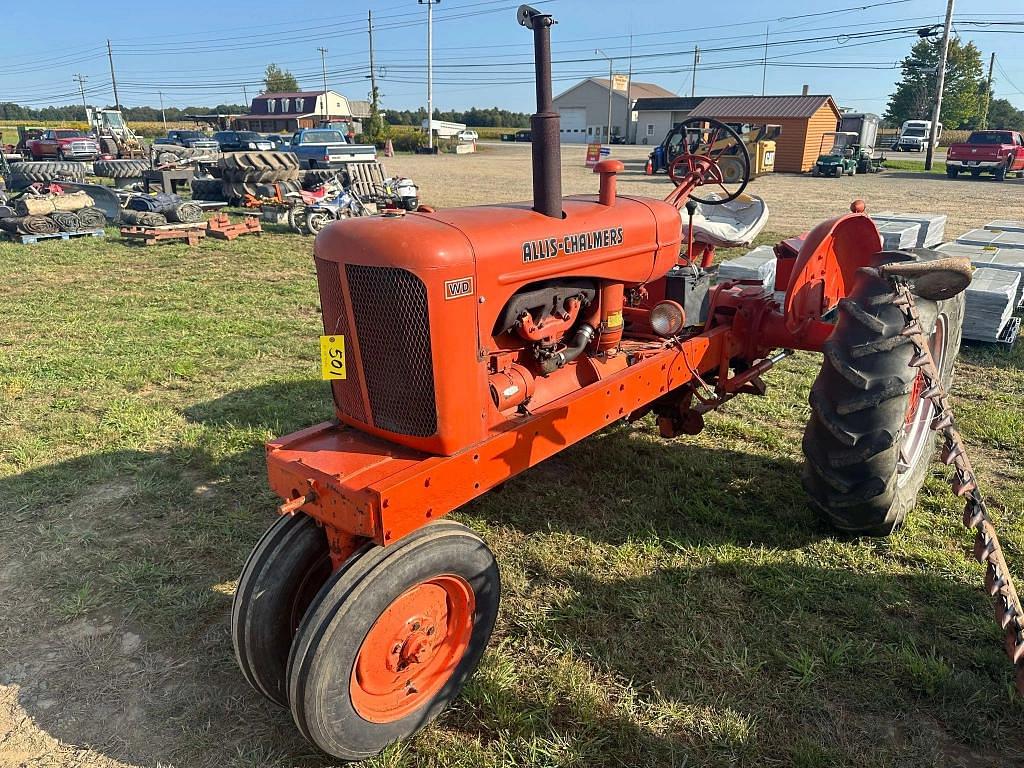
[(529, 16)]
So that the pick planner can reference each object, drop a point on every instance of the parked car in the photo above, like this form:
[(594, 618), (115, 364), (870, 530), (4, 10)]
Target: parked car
[(241, 141), (995, 152), (327, 148), (190, 139), (279, 140), (64, 144), (522, 136), (467, 135)]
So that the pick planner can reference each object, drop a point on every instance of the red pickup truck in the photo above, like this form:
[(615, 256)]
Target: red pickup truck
[(64, 144), (997, 152)]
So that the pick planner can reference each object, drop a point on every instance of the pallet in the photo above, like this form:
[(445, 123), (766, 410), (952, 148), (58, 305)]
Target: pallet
[(164, 234), (57, 236), (366, 179), (1010, 332)]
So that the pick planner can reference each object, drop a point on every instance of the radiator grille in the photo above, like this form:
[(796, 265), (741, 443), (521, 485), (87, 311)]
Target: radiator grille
[(332, 303), (393, 328)]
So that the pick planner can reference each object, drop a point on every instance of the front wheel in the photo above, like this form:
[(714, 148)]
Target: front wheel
[(952, 172), (391, 640), (868, 443)]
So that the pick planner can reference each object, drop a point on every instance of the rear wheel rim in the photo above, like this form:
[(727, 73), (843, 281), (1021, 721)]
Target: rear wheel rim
[(920, 410), (413, 649)]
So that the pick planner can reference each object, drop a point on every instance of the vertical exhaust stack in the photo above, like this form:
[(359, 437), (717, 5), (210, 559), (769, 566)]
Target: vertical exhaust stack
[(544, 126)]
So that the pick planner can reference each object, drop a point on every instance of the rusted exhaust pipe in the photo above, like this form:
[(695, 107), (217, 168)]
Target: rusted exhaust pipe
[(544, 126)]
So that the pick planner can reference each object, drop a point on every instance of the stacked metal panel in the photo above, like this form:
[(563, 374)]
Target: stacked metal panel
[(933, 225), (992, 238), (759, 264), (898, 234), (1005, 225), (990, 301)]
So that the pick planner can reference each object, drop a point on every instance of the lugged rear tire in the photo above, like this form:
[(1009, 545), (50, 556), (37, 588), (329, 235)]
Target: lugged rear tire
[(868, 443)]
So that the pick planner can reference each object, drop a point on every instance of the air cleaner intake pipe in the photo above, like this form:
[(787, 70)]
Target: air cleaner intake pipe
[(544, 126)]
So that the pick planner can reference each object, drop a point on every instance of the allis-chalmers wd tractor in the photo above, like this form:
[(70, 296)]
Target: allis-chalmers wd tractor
[(465, 346)]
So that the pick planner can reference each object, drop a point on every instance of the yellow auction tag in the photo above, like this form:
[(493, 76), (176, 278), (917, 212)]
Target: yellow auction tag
[(332, 357), (614, 320)]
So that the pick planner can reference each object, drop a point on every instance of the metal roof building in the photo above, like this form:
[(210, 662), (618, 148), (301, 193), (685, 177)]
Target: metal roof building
[(804, 120)]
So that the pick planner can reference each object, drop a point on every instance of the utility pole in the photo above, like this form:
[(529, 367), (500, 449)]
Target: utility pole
[(693, 80), (629, 92), (374, 106), (80, 79), (163, 115), (764, 61), (430, 70), (113, 80), (983, 123), (245, 94), (933, 138), (323, 66), (611, 65)]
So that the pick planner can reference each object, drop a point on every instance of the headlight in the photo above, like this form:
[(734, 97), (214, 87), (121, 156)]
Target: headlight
[(667, 318), (251, 145)]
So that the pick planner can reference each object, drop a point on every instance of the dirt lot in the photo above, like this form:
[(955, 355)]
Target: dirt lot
[(502, 173), (666, 603)]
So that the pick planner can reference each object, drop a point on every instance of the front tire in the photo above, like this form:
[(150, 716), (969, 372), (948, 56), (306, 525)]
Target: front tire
[(281, 577), (868, 443), (391, 640)]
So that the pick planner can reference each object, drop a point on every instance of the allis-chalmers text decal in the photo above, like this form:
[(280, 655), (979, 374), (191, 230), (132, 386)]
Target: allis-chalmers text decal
[(568, 245)]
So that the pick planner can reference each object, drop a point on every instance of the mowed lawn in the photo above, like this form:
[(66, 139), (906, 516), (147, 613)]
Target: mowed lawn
[(666, 603)]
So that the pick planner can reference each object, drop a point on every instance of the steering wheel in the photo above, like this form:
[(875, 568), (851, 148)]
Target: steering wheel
[(713, 155)]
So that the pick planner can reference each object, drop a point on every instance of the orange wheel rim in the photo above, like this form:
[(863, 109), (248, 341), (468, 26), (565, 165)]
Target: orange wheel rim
[(412, 649)]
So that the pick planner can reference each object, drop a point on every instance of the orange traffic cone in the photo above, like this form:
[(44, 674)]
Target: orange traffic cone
[(389, 149), (649, 167)]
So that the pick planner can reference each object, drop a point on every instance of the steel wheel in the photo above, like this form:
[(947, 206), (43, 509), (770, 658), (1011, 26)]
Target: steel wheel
[(277, 585), (707, 149), (391, 640)]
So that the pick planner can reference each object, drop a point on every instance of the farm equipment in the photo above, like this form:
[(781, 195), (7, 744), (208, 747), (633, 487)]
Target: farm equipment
[(759, 141), (116, 139), (465, 346)]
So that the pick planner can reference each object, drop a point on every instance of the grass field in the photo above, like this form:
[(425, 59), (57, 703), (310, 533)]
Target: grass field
[(666, 603), (899, 164)]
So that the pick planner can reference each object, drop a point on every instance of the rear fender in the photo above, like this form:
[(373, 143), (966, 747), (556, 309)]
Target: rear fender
[(825, 270)]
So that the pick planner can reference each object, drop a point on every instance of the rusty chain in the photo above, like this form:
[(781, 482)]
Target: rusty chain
[(987, 550)]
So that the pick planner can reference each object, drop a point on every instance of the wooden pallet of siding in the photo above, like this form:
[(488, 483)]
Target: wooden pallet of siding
[(56, 236)]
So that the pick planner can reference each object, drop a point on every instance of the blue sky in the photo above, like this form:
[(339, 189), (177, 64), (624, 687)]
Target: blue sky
[(204, 53)]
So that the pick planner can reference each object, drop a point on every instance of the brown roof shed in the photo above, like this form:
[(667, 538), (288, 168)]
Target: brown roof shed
[(804, 120)]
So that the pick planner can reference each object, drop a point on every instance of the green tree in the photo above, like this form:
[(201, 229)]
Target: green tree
[(1002, 114), (915, 92), (279, 80)]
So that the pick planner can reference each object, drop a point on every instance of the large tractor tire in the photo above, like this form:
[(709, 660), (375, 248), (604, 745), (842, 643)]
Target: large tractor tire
[(207, 189), (120, 169), (391, 638), (259, 161), (25, 174), (234, 192), (868, 443), (261, 177)]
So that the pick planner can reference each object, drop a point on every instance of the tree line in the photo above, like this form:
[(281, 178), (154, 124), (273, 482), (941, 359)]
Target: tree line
[(967, 101), (491, 117), (76, 113)]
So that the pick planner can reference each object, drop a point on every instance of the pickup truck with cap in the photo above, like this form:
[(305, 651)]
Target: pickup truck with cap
[(327, 148), (990, 151)]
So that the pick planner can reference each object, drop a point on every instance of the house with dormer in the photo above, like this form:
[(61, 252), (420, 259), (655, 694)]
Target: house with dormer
[(287, 112)]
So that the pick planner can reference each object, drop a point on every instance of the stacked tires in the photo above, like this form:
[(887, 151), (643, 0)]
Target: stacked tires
[(25, 174), (256, 173)]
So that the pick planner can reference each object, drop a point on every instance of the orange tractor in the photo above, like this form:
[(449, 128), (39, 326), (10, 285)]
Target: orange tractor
[(465, 346)]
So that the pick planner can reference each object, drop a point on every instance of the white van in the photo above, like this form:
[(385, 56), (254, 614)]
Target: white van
[(914, 135)]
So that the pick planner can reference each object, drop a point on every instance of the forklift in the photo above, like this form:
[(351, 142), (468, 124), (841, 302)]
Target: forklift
[(759, 141)]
